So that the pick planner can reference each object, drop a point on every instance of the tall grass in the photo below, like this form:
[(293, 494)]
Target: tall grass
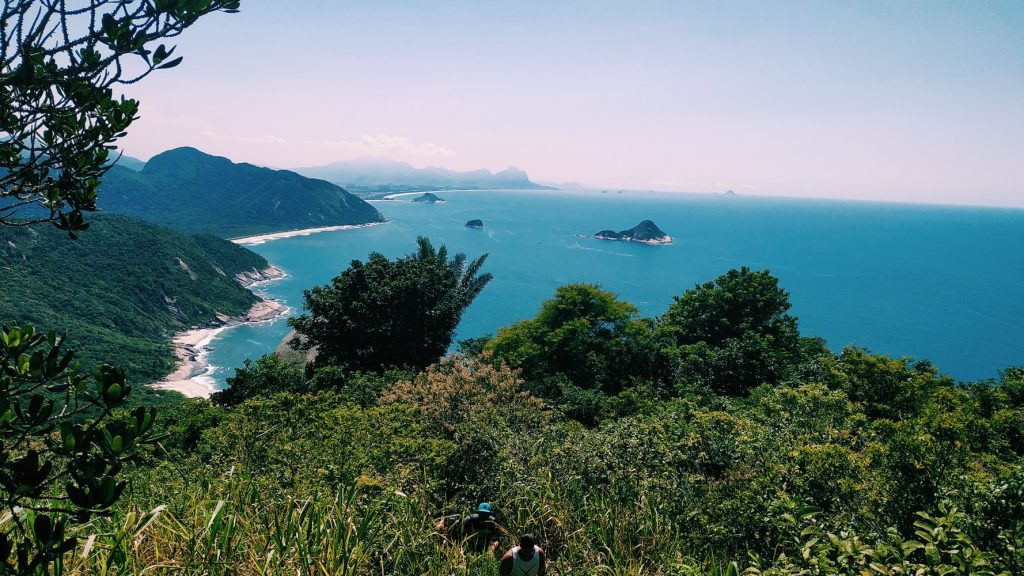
[(235, 526)]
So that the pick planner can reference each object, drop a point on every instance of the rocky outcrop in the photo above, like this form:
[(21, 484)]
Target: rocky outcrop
[(429, 198), (476, 223), (285, 351), (646, 232), (254, 276)]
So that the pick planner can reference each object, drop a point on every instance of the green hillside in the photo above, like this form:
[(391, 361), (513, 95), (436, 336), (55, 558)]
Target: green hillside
[(122, 288), (713, 440), (189, 190)]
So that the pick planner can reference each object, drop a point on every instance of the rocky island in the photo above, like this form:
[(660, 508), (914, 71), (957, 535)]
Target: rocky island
[(429, 198), (475, 223), (646, 232)]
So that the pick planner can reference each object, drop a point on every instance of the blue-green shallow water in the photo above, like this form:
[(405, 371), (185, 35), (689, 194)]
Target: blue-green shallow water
[(934, 282)]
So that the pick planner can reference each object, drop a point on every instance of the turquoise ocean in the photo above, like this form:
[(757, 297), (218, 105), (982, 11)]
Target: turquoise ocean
[(942, 283)]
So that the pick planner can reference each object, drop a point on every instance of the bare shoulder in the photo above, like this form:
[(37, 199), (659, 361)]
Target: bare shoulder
[(539, 550), (507, 556)]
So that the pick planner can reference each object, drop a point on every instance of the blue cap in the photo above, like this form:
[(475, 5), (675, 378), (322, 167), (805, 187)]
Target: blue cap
[(484, 507)]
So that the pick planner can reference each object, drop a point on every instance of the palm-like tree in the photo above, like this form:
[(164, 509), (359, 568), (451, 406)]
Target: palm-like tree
[(399, 312), (464, 281)]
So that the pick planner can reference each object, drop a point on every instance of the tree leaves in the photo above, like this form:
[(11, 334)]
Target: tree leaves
[(57, 110), (385, 312), (34, 461)]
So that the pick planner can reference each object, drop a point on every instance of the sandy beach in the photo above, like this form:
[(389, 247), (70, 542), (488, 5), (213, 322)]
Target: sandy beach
[(192, 378), (260, 239)]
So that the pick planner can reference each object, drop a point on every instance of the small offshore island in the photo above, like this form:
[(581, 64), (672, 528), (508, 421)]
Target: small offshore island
[(646, 232), (476, 223), (429, 198)]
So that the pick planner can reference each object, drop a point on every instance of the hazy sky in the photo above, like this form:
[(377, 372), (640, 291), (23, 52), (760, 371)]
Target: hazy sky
[(916, 101)]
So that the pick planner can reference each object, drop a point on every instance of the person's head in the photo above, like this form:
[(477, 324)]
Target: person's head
[(527, 546), (484, 508)]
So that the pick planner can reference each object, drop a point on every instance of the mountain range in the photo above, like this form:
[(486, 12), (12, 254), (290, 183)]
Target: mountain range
[(383, 175), (192, 191)]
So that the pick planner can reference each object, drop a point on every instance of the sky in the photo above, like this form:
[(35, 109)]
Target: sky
[(894, 101)]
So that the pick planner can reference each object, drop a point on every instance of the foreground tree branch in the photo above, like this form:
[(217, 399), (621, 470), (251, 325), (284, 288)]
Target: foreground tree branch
[(59, 117)]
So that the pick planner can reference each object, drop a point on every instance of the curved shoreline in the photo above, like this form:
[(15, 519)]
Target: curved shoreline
[(261, 238), (192, 376)]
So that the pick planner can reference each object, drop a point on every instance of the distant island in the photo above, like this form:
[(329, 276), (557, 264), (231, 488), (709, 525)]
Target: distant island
[(429, 198), (646, 232), (475, 223)]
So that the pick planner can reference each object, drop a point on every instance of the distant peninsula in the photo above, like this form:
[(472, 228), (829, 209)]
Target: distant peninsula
[(429, 198), (646, 232), (373, 178), (475, 223), (191, 191)]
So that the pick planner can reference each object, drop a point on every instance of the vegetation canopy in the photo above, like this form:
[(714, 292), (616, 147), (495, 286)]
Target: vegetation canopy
[(384, 312), (734, 333)]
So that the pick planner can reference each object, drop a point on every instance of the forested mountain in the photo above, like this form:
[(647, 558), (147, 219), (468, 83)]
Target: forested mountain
[(122, 288), (390, 176), (130, 162), (189, 190)]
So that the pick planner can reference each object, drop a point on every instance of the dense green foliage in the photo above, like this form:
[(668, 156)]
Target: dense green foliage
[(733, 334), (583, 346), (384, 312), (266, 376), (59, 117), (580, 426), (61, 444), (57, 467), (791, 479), (188, 190), (121, 290)]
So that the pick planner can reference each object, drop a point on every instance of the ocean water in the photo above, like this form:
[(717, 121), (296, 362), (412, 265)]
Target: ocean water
[(940, 283)]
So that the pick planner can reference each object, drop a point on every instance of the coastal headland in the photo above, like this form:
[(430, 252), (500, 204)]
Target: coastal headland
[(191, 377), (191, 347)]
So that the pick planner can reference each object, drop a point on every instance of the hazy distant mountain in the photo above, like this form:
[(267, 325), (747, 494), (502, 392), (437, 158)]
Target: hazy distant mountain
[(192, 191), (565, 185), (382, 175), (130, 163)]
